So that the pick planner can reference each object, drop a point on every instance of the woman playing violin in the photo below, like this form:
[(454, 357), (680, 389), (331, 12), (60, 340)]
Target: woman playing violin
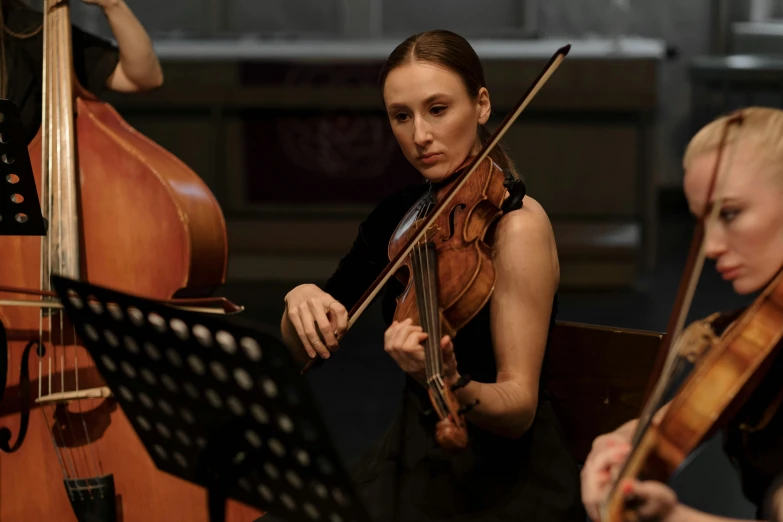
[(131, 66), (746, 242), (516, 465)]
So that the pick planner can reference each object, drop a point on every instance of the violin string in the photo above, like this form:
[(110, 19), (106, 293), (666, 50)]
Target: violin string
[(432, 298), (421, 293), (421, 306), (417, 281), (432, 342), (435, 309)]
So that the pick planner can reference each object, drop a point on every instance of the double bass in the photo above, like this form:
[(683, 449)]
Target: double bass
[(122, 212)]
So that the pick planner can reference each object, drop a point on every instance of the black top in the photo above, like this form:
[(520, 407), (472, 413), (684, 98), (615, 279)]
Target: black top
[(94, 60), (406, 475)]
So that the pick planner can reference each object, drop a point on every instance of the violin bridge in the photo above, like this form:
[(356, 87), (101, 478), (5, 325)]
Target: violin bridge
[(66, 397)]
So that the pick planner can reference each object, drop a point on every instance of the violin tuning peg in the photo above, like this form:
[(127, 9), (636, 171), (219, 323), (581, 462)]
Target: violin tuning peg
[(465, 409), (461, 382)]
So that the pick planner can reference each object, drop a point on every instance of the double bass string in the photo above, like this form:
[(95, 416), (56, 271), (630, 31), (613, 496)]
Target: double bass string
[(72, 231), (69, 246), (67, 465), (50, 126), (48, 169)]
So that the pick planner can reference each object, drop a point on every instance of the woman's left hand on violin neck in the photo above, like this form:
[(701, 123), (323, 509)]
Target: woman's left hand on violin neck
[(403, 342)]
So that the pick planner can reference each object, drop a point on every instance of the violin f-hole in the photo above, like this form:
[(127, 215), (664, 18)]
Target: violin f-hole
[(452, 217)]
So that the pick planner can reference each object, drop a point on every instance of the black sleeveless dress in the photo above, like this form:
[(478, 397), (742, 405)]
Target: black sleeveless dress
[(406, 476)]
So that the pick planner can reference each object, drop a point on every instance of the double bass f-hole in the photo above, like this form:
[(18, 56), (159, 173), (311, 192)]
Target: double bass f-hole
[(24, 396)]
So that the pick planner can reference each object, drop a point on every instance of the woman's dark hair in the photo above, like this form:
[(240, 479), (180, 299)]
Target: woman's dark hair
[(453, 52)]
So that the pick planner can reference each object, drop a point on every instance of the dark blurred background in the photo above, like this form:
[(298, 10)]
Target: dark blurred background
[(274, 104)]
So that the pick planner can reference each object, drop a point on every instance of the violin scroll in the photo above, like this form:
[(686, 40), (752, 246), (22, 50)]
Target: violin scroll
[(450, 436), (451, 432)]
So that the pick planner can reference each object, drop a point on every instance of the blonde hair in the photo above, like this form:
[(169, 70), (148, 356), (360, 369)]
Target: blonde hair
[(761, 126)]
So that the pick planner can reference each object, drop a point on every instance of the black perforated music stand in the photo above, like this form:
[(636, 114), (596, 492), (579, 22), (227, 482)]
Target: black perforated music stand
[(216, 401), (20, 210)]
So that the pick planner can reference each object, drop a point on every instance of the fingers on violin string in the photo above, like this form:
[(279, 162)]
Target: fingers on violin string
[(447, 350), (412, 343), (445, 343), (596, 474), (394, 337), (388, 334), (608, 440), (610, 458), (402, 333)]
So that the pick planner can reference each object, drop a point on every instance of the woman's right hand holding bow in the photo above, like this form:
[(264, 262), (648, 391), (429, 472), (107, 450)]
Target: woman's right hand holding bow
[(314, 320)]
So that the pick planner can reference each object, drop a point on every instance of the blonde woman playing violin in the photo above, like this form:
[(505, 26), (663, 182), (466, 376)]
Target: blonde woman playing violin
[(746, 243)]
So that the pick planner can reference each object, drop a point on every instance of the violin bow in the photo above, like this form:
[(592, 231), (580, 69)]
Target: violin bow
[(394, 265), (666, 361)]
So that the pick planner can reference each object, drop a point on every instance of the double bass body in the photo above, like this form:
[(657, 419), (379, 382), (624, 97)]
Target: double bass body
[(147, 225)]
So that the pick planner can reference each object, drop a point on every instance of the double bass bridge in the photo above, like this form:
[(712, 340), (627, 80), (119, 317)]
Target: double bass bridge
[(66, 397)]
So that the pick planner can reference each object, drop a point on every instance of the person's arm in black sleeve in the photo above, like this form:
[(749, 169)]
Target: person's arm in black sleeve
[(315, 317), (130, 66)]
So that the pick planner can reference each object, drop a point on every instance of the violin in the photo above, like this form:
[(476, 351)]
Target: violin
[(721, 381), (439, 253), (449, 278)]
